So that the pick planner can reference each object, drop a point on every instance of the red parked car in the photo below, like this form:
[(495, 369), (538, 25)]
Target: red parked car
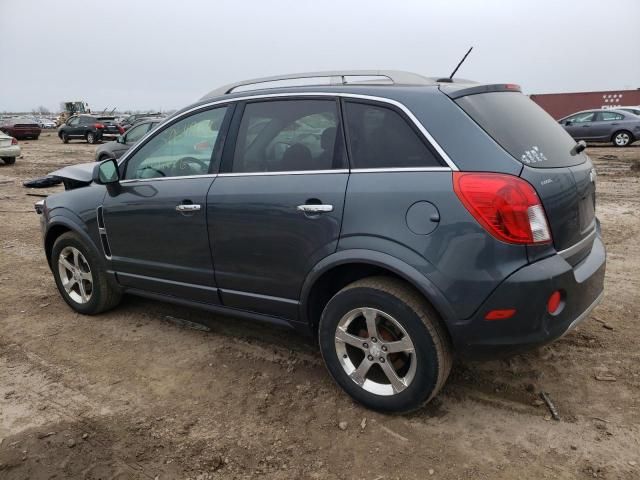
[(20, 128)]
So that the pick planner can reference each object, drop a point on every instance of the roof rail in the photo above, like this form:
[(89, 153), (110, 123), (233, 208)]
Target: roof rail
[(337, 77)]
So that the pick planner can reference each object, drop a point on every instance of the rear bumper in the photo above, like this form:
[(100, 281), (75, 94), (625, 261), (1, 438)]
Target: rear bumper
[(527, 291), (10, 151)]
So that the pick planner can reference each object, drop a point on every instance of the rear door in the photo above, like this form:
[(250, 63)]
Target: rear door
[(276, 209), (605, 124), (563, 179), (156, 219)]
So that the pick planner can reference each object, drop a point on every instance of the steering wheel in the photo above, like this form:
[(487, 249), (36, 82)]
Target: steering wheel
[(182, 165), (162, 174)]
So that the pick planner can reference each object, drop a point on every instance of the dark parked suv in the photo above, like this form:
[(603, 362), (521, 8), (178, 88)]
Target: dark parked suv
[(89, 127), (398, 219)]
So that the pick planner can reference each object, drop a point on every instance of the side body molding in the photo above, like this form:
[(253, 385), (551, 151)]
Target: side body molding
[(378, 259)]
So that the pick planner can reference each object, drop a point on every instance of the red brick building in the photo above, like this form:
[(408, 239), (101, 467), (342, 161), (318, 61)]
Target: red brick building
[(560, 105)]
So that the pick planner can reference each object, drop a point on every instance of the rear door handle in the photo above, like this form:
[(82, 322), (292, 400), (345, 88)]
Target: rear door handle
[(187, 207), (315, 208)]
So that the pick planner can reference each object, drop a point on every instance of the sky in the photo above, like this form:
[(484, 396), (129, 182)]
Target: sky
[(159, 54)]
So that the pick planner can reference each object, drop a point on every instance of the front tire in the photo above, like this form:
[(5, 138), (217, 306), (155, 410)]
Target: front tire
[(622, 139), (9, 160), (384, 345), (64, 137), (81, 277)]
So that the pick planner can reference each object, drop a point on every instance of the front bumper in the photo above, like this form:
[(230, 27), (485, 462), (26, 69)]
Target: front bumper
[(527, 291)]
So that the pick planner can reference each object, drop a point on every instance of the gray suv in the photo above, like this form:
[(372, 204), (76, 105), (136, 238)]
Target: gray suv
[(397, 219)]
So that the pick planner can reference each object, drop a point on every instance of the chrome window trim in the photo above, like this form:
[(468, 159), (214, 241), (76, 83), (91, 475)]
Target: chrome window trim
[(284, 172), (131, 180), (400, 169), (401, 106)]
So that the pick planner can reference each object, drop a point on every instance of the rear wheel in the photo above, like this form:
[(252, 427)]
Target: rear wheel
[(91, 138), (384, 345), (9, 160), (622, 138), (81, 277)]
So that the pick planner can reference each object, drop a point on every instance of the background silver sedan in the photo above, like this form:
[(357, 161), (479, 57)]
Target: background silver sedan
[(619, 127)]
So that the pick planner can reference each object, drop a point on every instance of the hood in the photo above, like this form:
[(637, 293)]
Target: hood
[(75, 176)]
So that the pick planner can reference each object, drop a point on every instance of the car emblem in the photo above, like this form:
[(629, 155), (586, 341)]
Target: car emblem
[(592, 175)]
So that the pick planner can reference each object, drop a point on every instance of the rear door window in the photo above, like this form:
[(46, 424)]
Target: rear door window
[(379, 137), (522, 128), (609, 116), (289, 135)]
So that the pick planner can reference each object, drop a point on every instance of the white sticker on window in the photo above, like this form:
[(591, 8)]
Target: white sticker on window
[(533, 156)]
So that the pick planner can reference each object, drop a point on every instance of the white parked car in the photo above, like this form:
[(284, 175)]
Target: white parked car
[(46, 123), (9, 149)]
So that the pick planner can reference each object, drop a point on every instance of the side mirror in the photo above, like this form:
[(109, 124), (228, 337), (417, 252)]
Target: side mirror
[(568, 122), (106, 172)]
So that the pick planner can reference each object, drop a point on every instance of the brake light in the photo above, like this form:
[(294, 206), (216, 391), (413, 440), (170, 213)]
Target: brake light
[(120, 129), (98, 125), (14, 141), (507, 207)]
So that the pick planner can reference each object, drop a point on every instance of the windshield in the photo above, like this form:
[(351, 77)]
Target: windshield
[(522, 128)]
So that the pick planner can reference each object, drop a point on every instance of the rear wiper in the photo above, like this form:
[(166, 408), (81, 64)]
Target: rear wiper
[(579, 147)]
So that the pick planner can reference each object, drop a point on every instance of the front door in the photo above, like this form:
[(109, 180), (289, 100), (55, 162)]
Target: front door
[(580, 126), (155, 218), (276, 209)]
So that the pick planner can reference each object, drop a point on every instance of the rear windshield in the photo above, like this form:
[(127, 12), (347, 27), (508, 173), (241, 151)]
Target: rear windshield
[(522, 128)]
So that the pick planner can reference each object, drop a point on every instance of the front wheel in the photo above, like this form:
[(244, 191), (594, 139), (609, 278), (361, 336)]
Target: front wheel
[(9, 160), (384, 345), (81, 277), (622, 139), (64, 137)]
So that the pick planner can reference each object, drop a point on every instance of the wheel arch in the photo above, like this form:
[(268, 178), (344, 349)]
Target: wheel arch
[(338, 270), (623, 130), (59, 225)]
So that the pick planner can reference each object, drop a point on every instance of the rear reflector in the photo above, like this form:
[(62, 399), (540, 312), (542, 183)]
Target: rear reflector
[(500, 314), (507, 207), (554, 302), (14, 141)]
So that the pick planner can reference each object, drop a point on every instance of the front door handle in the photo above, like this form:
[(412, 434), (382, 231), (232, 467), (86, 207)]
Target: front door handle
[(314, 209), (187, 207)]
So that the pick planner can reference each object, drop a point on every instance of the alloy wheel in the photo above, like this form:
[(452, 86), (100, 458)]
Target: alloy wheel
[(75, 275), (622, 139), (375, 351)]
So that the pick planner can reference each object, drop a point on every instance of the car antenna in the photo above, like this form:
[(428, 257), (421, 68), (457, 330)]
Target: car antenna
[(449, 79)]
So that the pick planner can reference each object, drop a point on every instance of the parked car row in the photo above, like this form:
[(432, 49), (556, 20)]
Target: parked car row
[(620, 126)]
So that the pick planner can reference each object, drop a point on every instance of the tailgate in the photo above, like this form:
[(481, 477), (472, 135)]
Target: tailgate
[(563, 177)]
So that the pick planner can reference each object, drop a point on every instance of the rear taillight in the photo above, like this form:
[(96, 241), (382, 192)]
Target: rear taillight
[(506, 206), (120, 129), (14, 141), (98, 125)]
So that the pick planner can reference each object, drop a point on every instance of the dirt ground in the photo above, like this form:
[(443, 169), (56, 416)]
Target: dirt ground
[(142, 393)]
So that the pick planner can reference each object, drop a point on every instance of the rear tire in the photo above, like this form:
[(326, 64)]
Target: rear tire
[(81, 277), (91, 138), (9, 160), (384, 345), (622, 139)]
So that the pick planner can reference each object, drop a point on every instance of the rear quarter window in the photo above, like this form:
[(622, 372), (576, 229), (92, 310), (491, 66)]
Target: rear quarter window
[(522, 128), (379, 137)]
